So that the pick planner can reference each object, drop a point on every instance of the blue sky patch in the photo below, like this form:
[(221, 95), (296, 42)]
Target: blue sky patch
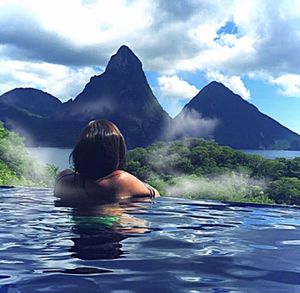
[(229, 28)]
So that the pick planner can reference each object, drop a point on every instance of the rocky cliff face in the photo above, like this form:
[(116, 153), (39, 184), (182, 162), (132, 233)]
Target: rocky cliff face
[(122, 95)]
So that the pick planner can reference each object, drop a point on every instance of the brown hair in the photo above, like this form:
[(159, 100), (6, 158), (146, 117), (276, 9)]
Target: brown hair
[(101, 149)]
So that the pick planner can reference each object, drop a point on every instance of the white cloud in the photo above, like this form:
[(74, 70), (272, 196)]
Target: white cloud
[(61, 81), (233, 82), (83, 23), (168, 38), (175, 87), (289, 84), (149, 27)]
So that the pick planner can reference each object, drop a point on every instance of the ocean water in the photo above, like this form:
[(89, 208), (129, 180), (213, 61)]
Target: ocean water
[(48, 155), (273, 154), (60, 156), (169, 245)]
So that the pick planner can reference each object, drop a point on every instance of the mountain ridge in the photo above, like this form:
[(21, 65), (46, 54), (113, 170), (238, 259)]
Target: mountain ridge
[(122, 94), (31, 99), (242, 127)]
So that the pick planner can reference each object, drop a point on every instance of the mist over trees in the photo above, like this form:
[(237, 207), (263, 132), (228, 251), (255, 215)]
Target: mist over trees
[(16, 165), (193, 168), (197, 168)]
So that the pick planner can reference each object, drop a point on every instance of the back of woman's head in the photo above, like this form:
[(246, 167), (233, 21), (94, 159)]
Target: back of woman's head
[(100, 150)]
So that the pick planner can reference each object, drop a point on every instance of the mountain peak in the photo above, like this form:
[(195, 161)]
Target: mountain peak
[(30, 92), (215, 83), (240, 124), (32, 101), (125, 50), (124, 61), (217, 86), (217, 97)]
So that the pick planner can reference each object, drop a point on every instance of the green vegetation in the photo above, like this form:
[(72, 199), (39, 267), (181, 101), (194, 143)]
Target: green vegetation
[(17, 167), (285, 190), (192, 168), (197, 169)]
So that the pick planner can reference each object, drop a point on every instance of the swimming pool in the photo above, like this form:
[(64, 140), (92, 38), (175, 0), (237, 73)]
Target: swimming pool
[(171, 245)]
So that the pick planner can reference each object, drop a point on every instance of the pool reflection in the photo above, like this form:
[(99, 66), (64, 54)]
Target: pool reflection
[(99, 229)]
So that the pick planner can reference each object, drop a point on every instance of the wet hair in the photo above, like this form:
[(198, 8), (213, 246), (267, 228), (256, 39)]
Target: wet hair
[(100, 150)]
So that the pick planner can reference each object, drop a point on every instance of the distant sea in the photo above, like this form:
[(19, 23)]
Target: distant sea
[(56, 156), (272, 154), (60, 156)]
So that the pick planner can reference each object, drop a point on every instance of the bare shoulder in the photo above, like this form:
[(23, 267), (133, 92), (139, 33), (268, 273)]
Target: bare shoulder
[(137, 186)]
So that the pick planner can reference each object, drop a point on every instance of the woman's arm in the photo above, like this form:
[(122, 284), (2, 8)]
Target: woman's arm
[(131, 185), (153, 192)]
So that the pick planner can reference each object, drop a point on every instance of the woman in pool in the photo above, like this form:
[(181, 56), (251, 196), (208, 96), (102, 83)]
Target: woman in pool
[(98, 158)]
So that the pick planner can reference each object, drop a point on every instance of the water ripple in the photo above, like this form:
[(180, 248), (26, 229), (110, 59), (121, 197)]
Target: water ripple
[(171, 245)]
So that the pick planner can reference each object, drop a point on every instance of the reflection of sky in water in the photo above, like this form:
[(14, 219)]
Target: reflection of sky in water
[(172, 245), (276, 217)]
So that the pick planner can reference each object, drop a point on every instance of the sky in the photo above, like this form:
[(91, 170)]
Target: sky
[(251, 46)]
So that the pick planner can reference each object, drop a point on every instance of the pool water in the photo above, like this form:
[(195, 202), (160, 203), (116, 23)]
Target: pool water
[(170, 245)]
